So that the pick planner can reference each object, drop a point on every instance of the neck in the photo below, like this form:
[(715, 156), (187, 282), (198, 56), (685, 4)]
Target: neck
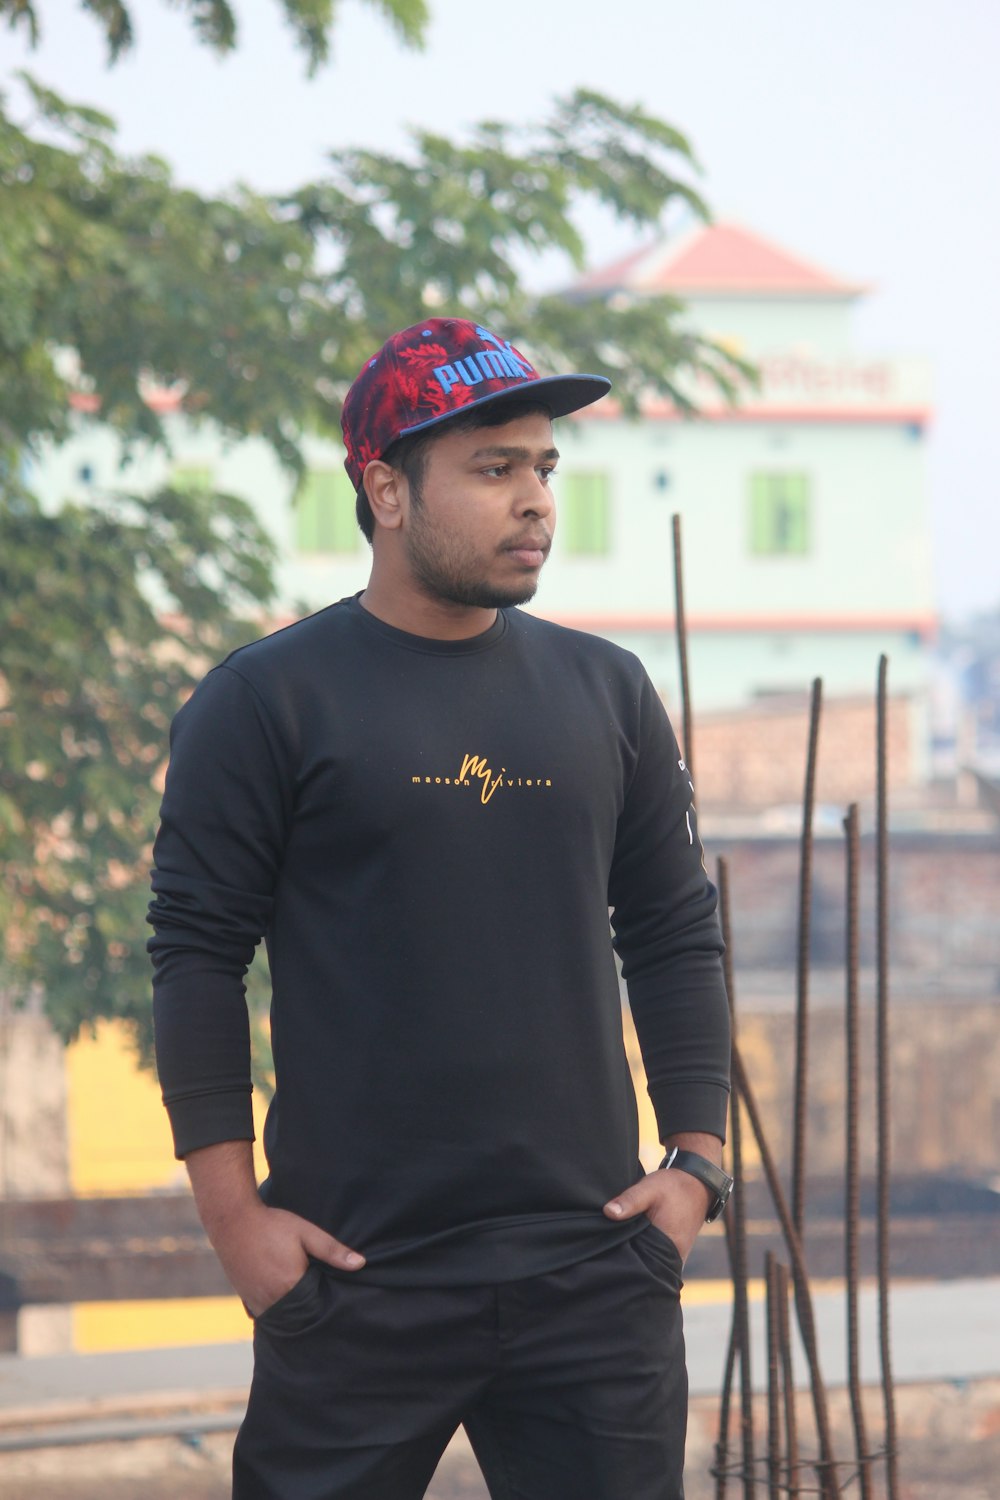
[(407, 608)]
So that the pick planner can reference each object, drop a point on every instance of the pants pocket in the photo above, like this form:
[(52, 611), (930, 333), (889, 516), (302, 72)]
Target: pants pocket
[(300, 1308), (660, 1255)]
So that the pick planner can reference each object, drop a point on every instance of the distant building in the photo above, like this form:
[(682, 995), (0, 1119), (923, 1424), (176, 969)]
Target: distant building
[(804, 510), (967, 701)]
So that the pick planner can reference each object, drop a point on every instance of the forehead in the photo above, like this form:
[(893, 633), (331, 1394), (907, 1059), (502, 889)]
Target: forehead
[(531, 432)]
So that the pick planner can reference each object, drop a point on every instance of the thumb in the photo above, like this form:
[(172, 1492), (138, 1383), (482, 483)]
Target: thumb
[(322, 1246), (634, 1200)]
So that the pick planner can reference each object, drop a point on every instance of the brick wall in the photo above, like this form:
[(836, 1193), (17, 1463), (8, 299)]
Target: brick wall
[(755, 757), (944, 901), (944, 1087)]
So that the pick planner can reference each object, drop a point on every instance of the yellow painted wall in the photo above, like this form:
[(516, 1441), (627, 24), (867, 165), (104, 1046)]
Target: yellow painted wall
[(119, 1143), (119, 1139), (100, 1326), (650, 1150)]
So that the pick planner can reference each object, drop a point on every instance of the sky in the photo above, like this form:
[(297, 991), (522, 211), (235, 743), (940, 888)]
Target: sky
[(864, 136)]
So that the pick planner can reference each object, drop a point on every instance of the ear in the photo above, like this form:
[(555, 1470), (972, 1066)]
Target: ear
[(386, 489)]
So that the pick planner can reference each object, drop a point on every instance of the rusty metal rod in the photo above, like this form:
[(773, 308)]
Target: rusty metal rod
[(773, 1379), (882, 1073), (826, 1464), (687, 739), (687, 725), (721, 1467), (737, 1209), (788, 1382), (735, 1346), (802, 963), (852, 1205)]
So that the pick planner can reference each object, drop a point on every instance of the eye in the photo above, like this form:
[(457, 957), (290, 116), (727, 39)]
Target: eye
[(545, 472), (496, 470)]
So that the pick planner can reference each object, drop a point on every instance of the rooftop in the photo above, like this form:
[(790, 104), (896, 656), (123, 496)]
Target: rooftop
[(723, 259)]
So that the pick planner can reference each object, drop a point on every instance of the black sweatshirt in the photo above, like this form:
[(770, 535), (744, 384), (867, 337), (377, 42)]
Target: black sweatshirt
[(429, 834)]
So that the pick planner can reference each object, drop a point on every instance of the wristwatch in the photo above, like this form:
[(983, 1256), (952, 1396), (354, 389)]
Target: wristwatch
[(714, 1178)]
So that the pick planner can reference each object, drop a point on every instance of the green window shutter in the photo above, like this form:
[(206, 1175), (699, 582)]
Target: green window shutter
[(585, 513), (192, 479), (779, 515), (324, 513)]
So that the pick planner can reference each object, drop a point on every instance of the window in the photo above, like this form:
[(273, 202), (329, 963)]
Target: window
[(192, 479), (585, 513), (779, 515), (324, 513)]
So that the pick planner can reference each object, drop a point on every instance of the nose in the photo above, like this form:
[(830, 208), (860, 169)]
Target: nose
[(534, 497)]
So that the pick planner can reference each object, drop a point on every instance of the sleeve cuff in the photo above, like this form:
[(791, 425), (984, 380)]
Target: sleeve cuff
[(208, 1119), (700, 1107)]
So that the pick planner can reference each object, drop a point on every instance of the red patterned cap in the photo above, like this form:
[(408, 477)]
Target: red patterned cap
[(435, 370)]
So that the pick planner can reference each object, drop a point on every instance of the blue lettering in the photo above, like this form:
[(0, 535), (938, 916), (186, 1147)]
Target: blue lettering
[(518, 366), (468, 370), (495, 364), (447, 376), (500, 363)]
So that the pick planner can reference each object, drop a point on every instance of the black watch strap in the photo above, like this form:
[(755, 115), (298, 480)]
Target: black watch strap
[(715, 1179)]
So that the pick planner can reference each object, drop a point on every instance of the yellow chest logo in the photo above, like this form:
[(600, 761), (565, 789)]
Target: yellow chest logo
[(477, 769)]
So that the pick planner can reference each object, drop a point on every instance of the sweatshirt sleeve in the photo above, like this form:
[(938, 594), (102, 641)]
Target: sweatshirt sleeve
[(216, 857), (667, 936)]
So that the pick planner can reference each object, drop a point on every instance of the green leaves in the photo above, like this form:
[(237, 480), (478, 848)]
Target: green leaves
[(260, 311), (108, 616), (215, 25), (137, 279), (454, 225)]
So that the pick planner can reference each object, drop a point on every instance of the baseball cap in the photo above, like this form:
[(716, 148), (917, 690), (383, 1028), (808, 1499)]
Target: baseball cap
[(436, 369)]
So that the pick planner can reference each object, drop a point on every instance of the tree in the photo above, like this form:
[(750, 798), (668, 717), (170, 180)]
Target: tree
[(215, 24), (449, 224), (108, 615), (108, 262), (261, 311), (258, 312)]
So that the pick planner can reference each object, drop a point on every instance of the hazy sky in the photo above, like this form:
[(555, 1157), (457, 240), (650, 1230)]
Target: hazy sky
[(865, 136)]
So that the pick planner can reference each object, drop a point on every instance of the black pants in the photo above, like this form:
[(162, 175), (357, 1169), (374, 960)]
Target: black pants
[(570, 1385)]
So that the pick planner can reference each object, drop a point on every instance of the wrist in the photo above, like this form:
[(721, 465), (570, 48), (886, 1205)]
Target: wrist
[(709, 1146), (225, 1188), (718, 1184)]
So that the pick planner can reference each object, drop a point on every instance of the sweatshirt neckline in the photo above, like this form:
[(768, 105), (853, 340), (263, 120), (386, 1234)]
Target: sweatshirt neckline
[(428, 645)]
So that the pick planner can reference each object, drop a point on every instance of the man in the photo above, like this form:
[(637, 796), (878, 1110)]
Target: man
[(427, 801)]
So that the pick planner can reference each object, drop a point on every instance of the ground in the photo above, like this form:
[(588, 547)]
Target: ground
[(949, 1442)]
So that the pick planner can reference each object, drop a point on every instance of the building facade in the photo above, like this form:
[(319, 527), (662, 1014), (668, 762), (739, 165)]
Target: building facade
[(803, 509)]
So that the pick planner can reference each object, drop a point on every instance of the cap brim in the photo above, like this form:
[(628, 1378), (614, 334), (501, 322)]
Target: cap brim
[(562, 394)]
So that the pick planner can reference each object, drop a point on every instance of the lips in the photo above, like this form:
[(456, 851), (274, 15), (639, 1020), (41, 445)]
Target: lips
[(530, 551)]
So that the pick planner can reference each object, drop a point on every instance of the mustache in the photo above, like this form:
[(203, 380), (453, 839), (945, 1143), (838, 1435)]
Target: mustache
[(539, 541)]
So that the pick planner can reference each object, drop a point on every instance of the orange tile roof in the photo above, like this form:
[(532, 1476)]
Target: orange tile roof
[(719, 258)]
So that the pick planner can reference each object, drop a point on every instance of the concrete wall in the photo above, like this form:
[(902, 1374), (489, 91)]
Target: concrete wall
[(34, 1142), (870, 542)]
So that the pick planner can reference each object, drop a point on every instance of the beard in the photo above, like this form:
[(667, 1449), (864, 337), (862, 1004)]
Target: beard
[(449, 569)]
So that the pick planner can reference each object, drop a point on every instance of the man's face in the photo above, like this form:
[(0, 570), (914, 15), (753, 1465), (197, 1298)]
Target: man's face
[(479, 525)]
